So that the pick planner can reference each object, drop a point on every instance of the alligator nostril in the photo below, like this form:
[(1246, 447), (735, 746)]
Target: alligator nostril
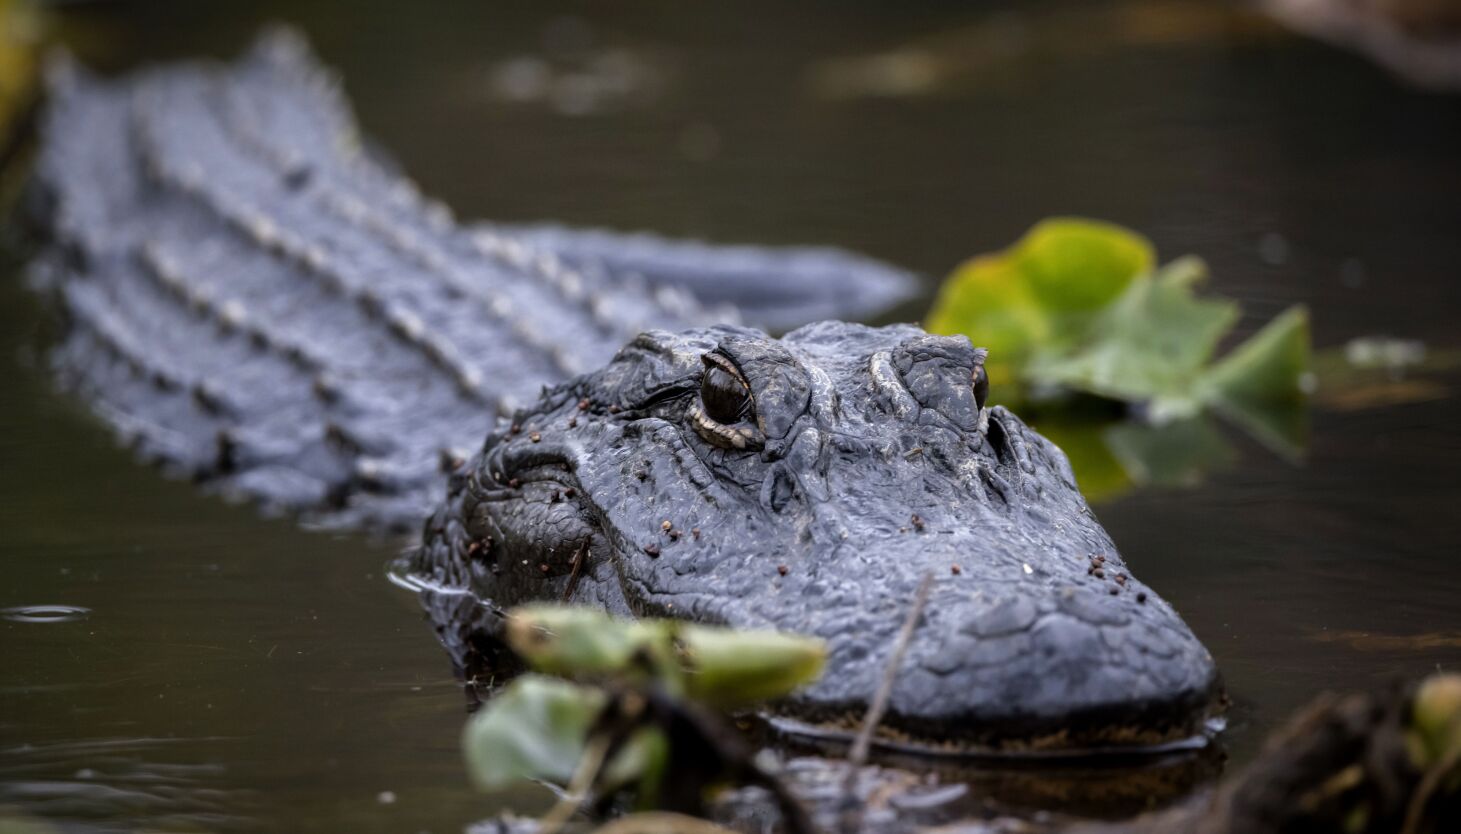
[(999, 441)]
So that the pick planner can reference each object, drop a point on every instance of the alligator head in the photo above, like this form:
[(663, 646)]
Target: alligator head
[(808, 484)]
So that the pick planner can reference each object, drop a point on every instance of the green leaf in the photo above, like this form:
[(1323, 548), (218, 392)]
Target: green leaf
[(1436, 718), (1149, 344), (1075, 265), (585, 643), (1271, 367), (536, 729), (730, 669), (718, 666), (1039, 296), (1262, 384)]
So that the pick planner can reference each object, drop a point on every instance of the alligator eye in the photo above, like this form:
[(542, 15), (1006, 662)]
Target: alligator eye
[(724, 396), (981, 386), (725, 415)]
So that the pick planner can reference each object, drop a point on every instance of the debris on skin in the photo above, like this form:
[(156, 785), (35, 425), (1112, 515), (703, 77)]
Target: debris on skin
[(515, 429), (955, 570), (917, 522), (573, 422)]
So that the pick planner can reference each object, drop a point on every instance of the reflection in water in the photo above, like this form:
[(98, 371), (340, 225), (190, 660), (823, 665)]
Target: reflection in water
[(219, 624), (122, 784), (44, 613)]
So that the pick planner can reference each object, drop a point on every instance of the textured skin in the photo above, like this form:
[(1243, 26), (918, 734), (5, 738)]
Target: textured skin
[(256, 303), (874, 472)]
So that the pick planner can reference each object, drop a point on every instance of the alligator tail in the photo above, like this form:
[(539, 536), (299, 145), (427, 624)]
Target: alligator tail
[(256, 302)]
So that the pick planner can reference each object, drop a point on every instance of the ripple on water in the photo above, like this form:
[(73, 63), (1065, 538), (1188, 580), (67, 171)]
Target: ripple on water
[(45, 613)]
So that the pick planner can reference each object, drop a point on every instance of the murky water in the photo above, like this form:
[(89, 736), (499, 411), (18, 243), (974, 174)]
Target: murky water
[(170, 662)]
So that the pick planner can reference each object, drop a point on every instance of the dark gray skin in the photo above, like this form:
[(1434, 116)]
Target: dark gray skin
[(864, 462), (254, 302)]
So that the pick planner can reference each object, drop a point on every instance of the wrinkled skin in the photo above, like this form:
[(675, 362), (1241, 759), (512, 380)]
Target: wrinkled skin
[(868, 465)]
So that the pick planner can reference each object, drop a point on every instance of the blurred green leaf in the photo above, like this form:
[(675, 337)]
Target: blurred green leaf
[(1435, 718), (1262, 385), (585, 643), (537, 728), (19, 37), (1272, 366), (717, 666), (1039, 296), (1100, 475), (1077, 306), (1148, 344), (731, 669)]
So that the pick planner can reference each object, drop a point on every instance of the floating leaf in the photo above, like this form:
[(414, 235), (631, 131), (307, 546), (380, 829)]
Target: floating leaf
[(536, 729), (1038, 296), (1271, 367), (1262, 384), (1075, 307), (1150, 343)]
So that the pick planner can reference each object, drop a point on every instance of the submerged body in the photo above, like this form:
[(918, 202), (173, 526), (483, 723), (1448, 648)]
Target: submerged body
[(252, 300)]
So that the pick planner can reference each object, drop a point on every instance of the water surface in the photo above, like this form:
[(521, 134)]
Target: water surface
[(171, 662)]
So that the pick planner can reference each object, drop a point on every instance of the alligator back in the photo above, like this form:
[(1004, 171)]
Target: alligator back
[(255, 302)]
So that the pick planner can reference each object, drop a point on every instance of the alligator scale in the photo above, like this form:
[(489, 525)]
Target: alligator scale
[(253, 300)]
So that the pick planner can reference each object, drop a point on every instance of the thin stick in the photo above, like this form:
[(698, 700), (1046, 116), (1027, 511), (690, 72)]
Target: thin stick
[(579, 556), (874, 716), (851, 817), (584, 776), (1415, 810)]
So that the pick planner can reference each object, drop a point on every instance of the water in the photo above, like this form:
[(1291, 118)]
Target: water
[(170, 662)]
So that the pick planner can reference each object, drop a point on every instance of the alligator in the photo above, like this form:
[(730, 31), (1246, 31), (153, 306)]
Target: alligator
[(257, 300)]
